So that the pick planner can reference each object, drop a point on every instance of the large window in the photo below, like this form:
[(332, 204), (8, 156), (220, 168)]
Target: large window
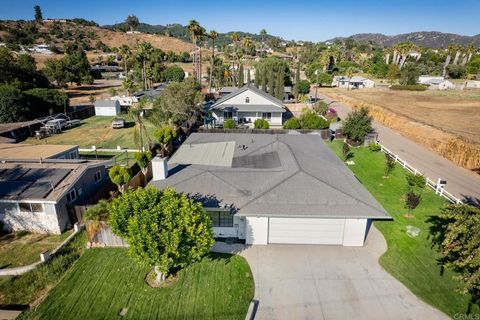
[(98, 176), (31, 207), (221, 218), (227, 114), (267, 116)]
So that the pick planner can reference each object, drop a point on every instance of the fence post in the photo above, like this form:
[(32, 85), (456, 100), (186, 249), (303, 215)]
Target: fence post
[(404, 164), (415, 172)]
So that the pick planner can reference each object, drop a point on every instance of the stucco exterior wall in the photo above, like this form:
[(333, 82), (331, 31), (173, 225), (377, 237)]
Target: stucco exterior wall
[(354, 232), (42, 222), (256, 230)]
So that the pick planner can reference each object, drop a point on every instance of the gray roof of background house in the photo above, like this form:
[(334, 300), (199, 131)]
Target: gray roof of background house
[(273, 100), (275, 175), (227, 90), (106, 103)]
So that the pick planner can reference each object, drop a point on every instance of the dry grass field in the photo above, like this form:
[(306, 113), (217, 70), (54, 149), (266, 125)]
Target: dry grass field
[(445, 122)]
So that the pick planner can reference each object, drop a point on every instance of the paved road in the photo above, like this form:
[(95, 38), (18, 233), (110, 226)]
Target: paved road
[(329, 283), (462, 183)]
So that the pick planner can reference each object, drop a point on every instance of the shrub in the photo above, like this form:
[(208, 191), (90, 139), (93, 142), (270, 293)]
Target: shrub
[(119, 175), (303, 87), (409, 87), (310, 120), (374, 147), (321, 107), (292, 124), (357, 125), (261, 124), (173, 73), (143, 158), (389, 164), (229, 124)]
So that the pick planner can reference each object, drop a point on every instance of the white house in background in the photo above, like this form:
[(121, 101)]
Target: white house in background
[(271, 188), (247, 104), (436, 82), (473, 84), (352, 83), (107, 107), (41, 48), (125, 101), (425, 78)]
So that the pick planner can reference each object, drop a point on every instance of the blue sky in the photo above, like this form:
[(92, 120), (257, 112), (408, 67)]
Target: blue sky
[(297, 19)]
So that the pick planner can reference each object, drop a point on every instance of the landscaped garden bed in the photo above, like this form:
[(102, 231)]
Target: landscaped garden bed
[(412, 260), (106, 282)]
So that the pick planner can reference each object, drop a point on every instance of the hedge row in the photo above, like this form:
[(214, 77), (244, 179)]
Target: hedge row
[(409, 87)]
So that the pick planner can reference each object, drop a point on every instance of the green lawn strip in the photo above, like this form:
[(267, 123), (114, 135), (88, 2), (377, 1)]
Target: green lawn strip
[(107, 280), (22, 248), (413, 261)]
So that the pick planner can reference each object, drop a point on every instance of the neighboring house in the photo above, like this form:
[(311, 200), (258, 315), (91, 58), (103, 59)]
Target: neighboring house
[(42, 48), (435, 84), (125, 101), (39, 196), (247, 104), (20, 151), (473, 84), (226, 91), (107, 107), (271, 188), (425, 78), (352, 83), (151, 94)]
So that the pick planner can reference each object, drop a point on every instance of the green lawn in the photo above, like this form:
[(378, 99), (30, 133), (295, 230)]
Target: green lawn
[(95, 131), (22, 248), (104, 281), (413, 261)]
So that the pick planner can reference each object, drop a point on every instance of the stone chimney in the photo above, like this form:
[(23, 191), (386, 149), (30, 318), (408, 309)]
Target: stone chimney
[(159, 168)]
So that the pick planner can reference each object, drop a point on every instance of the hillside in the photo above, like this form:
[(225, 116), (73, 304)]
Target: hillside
[(430, 39), (181, 32)]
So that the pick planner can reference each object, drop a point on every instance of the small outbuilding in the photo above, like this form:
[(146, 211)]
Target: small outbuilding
[(107, 107)]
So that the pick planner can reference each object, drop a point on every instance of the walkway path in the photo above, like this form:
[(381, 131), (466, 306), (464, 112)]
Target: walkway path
[(462, 183)]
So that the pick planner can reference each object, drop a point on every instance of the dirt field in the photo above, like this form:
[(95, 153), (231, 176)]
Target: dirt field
[(445, 122), (80, 95)]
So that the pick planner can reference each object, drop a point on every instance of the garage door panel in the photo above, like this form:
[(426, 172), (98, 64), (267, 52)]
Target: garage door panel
[(306, 231)]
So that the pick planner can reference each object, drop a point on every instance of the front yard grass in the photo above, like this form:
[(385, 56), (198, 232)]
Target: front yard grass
[(413, 261), (95, 131), (23, 248), (104, 281)]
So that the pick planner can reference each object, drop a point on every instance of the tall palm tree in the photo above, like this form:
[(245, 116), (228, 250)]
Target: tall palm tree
[(236, 50), (212, 35), (263, 33), (144, 52), (247, 44), (125, 52), (137, 114), (194, 28)]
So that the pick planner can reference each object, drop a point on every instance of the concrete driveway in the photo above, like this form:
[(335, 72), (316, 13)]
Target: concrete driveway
[(329, 282)]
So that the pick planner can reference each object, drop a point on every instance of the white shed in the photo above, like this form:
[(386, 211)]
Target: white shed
[(107, 107)]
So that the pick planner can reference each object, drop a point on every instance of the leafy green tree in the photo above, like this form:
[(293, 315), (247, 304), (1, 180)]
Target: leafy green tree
[(38, 14), (143, 159), (164, 229), (46, 101), (457, 233), (409, 74), (303, 87), (229, 124), (321, 107), (296, 91), (174, 73), (325, 79), (241, 80), (415, 182), (292, 124), (261, 124), (473, 66), (20, 71), (456, 71), (357, 125), (179, 102), (165, 136), (310, 120), (72, 68), (132, 22), (280, 86), (13, 105), (120, 176), (129, 85), (392, 73), (389, 164)]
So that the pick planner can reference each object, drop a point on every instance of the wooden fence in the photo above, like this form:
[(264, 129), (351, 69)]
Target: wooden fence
[(101, 235)]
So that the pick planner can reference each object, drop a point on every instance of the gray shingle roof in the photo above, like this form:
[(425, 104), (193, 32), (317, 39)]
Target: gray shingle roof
[(274, 100), (106, 103), (276, 175)]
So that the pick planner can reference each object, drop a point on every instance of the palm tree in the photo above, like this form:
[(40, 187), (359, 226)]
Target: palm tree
[(145, 49), (236, 39), (125, 52), (212, 35), (349, 73), (128, 85), (263, 33), (194, 28), (137, 114), (247, 43)]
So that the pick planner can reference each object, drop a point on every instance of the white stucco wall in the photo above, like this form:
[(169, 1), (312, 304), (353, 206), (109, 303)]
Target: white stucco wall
[(42, 222), (354, 232), (256, 230)]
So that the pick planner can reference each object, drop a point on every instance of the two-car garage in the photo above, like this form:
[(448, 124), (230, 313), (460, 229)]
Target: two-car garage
[(334, 231)]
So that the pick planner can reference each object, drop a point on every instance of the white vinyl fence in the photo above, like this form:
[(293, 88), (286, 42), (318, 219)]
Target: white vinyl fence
[(436, 186)]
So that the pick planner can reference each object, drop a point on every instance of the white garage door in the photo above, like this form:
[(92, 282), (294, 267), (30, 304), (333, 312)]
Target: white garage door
[(306, 231)]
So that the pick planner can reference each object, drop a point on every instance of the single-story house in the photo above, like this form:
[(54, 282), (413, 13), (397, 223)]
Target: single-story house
[(473, 84), (435, 84), (21, 151), (39, 196), (271, 188), (125, 101), (226, 90), (247, 104), (423, 79), (107, 108), (151, 94), (352, 83)]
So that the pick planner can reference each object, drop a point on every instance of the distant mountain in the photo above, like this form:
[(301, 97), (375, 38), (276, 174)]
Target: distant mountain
[(430, 39), (181, 32)]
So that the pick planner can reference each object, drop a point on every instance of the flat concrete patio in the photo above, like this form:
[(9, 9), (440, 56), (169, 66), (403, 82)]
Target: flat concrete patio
[(329, 282)]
